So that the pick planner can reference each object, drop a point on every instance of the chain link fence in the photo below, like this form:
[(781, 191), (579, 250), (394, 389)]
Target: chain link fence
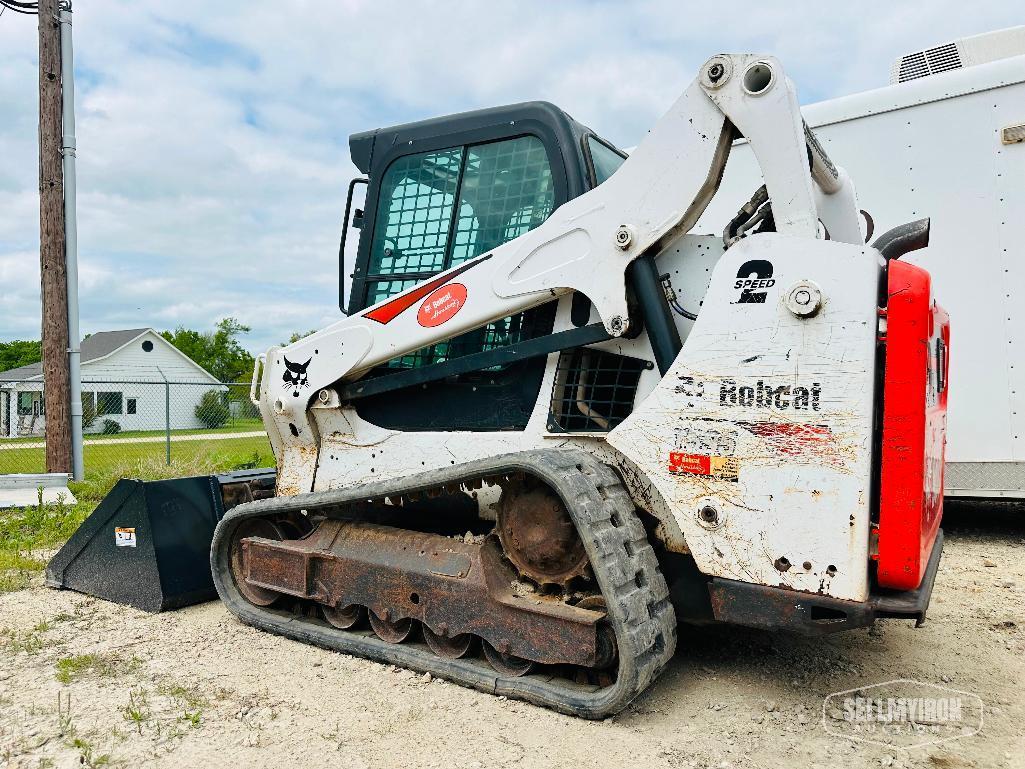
[(140, 428)]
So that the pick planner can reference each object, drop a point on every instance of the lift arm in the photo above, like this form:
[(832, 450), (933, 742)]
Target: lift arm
[(586, 245)]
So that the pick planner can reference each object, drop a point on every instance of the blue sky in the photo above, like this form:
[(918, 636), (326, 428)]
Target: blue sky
[(213, 155)]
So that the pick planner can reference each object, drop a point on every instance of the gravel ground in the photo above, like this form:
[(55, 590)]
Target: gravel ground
[(84, 682)]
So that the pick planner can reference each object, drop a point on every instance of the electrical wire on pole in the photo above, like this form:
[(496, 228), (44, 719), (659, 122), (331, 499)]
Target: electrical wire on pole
[(29, 9)]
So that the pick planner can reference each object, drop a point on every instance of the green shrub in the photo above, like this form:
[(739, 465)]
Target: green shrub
[(88, 413), (110, 427), (212, 411), (246, 409)]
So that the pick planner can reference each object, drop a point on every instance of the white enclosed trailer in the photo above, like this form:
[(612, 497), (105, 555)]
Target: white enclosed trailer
[(946, 140)]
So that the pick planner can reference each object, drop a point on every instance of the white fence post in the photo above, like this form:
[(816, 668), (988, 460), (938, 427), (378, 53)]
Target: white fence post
[(167, 413)]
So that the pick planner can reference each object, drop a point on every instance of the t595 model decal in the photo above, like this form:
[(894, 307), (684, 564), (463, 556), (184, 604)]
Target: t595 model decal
[(706, 448)]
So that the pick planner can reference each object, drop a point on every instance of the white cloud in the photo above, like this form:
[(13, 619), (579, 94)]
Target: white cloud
[(213, 156)]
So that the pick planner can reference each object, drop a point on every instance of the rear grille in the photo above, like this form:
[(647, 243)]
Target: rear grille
[(594, 391)]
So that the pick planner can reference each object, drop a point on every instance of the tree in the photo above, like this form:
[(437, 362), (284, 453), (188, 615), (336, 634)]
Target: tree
[(211, 409), (20, 352), (218, 351), (297, 335)]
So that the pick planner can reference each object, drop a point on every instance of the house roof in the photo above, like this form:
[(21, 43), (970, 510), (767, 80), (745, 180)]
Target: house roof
[(96, 346)]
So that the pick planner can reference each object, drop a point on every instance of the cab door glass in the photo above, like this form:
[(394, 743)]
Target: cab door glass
[(604, 160)]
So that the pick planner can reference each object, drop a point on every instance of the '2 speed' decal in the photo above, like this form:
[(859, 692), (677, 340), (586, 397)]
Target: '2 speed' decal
[(753, 278)]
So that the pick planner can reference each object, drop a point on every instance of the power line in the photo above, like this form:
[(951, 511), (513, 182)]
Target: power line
[(29, 9)]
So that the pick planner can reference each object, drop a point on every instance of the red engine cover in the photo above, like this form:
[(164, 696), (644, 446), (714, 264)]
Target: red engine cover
[(914, 427)]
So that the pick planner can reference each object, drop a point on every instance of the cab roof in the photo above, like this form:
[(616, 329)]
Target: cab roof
[(366, 146)]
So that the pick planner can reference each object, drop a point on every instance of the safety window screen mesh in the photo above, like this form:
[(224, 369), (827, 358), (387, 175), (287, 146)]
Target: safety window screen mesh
[(415, 214), (504, 189), (594, 391)]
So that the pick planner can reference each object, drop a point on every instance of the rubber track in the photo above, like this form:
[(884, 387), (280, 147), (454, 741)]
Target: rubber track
[(621, 558)]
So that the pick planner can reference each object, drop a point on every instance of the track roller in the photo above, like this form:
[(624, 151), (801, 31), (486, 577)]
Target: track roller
[(344, 618), (507, 664), (451, 648)]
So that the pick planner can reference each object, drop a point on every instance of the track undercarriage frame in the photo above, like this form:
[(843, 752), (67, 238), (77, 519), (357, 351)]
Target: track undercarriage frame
[(599, 646)]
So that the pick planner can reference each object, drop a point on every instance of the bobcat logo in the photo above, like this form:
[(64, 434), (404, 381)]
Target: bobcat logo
[(296, 375)]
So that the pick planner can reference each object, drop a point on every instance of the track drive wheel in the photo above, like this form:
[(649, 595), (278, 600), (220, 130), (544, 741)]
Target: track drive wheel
[(538, 535)]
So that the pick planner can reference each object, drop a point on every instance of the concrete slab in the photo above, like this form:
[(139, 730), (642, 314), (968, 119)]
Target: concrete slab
[(22, 489)]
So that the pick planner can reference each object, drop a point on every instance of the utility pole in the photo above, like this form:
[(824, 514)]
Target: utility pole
[(53, 268), (69, 150)]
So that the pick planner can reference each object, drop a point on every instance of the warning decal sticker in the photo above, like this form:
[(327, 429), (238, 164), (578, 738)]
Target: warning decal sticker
[(720, 468), (124, 537)]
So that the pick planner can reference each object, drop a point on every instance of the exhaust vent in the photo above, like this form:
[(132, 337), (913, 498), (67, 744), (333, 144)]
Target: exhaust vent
[(594, 390), (967, 52)]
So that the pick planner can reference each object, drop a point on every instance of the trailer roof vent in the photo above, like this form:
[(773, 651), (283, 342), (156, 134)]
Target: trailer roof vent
[(966, 52), (928, 62)]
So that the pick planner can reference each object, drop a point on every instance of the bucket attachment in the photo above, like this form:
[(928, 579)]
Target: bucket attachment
[(147, 544)]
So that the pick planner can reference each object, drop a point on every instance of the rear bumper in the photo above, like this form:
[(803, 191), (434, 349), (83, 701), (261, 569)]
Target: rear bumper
[(742, 603)]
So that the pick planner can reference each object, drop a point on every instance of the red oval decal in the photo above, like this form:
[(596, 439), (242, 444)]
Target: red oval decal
[(442, 305)]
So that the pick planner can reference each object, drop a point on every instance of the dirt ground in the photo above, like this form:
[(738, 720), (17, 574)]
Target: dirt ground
[(84, 682)]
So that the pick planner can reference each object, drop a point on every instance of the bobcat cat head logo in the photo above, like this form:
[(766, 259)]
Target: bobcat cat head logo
[(295, 375)]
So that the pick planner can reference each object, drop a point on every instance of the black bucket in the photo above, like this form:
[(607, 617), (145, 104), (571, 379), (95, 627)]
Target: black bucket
[(147, 544)]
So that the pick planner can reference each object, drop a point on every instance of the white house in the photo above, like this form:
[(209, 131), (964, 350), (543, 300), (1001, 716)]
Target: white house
[(124, 379)]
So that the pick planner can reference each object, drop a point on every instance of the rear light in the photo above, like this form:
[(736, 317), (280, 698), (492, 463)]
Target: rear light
[(914, 427)]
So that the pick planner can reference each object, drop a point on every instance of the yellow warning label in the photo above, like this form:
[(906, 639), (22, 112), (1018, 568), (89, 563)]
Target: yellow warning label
[(723, 468), (124, 536)]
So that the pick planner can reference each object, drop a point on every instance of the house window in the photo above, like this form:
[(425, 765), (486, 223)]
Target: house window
[(130, 406), (108, 403), (25, 404)]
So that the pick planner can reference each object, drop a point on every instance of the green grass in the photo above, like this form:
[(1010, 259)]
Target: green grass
[(31, 641), (16, 570), (27, 533), (189, 700), (233, 426), (99, 458), (81, 666), (137, 711)]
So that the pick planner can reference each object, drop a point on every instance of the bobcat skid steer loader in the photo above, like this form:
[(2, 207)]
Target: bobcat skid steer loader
[(555, 423)]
